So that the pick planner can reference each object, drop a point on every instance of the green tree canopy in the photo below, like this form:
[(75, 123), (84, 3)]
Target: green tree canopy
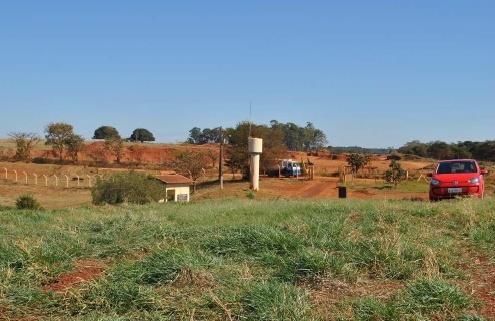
[(141, 135), (74, 144), (106, 132), (273, 146), (293, 136), (358, 161), (57, 135)]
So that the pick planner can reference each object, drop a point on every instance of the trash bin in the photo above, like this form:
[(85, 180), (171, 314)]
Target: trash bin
[(342, 191)]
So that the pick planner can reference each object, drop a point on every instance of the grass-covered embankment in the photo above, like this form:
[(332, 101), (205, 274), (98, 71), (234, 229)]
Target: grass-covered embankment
[(249, 260)]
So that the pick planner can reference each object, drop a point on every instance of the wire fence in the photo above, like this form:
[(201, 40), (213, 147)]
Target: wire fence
[(52, 180)]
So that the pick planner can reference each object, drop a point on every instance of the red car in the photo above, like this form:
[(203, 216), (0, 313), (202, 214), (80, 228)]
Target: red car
[(457, 177)]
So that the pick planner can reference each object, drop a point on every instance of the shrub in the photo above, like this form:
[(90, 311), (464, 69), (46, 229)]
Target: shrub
[(128, 187), (395, 174), (250, 194), (27, 202)]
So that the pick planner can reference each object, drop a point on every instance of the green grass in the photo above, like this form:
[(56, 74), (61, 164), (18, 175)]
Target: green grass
[(247, 260)]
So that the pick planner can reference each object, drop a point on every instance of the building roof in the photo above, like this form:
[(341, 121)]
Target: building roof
[(174, 179)]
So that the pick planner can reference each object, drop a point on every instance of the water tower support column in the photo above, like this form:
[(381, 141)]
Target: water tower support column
[(255, 148)]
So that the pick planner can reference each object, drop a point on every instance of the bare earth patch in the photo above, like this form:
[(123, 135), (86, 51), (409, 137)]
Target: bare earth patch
[(481, 284), (85, 271), (329, 293)]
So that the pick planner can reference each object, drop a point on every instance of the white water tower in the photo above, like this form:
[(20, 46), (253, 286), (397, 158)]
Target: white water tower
[(255, 148)]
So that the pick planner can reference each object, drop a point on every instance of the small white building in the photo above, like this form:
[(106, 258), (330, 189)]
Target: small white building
[(177, 187)]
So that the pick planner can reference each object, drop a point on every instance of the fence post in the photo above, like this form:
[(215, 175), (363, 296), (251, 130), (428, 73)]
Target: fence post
[(46, 180), (89, 180), (66, 181), (35, 179), (56, 180), (6, 173), (77, 180), (15, 172), (25, 176)]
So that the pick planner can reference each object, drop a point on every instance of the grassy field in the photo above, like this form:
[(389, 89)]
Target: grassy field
[(251, 260)]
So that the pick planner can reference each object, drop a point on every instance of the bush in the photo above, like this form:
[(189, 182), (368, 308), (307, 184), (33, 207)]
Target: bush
[(395, 174), (27, 202), (128, 187)]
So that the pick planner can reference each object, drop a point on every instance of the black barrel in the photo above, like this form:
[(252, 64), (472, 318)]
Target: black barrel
[(342, 192)]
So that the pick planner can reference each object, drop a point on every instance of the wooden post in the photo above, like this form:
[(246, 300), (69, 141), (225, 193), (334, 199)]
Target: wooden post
[(77, 180), (56, 180), (25, 176), (15, 172), (89, 180), (6, 173), (46, 180), (220, 161), (35, 179), (66, 181)]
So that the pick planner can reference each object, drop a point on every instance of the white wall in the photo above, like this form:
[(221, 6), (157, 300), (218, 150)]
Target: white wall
[(180, 190)]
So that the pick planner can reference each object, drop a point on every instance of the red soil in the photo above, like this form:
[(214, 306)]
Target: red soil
[(482, 283), (85, 270)]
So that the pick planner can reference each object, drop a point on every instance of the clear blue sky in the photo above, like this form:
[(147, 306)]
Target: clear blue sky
[(370, 73)]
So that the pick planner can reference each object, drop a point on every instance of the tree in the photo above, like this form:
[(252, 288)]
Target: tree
[(141, 135), (57, 135), (293, 137), (357, 161), (415, 147), (115, 145), (191, 164), (25, 143), (273, 146), (106, 132), (236, 162), (195, 136), (205, 136), (440, 150), (74, 144), (314, 139), (395, 174), (213, 156)]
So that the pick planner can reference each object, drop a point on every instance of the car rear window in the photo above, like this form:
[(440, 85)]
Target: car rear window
[(457, 167)]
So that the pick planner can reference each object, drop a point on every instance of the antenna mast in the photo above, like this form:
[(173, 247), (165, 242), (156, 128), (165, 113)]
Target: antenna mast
[(250, 114)]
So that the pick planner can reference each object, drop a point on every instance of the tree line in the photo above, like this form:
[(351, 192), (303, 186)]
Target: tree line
[(65, 143), (292, 136), (442, 150), (277, 138)]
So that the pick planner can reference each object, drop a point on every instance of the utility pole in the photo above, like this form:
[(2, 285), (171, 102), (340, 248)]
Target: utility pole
[(220, 164)]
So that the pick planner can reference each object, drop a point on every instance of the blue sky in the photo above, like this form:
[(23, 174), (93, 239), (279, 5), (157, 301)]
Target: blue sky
[(369, 73)]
